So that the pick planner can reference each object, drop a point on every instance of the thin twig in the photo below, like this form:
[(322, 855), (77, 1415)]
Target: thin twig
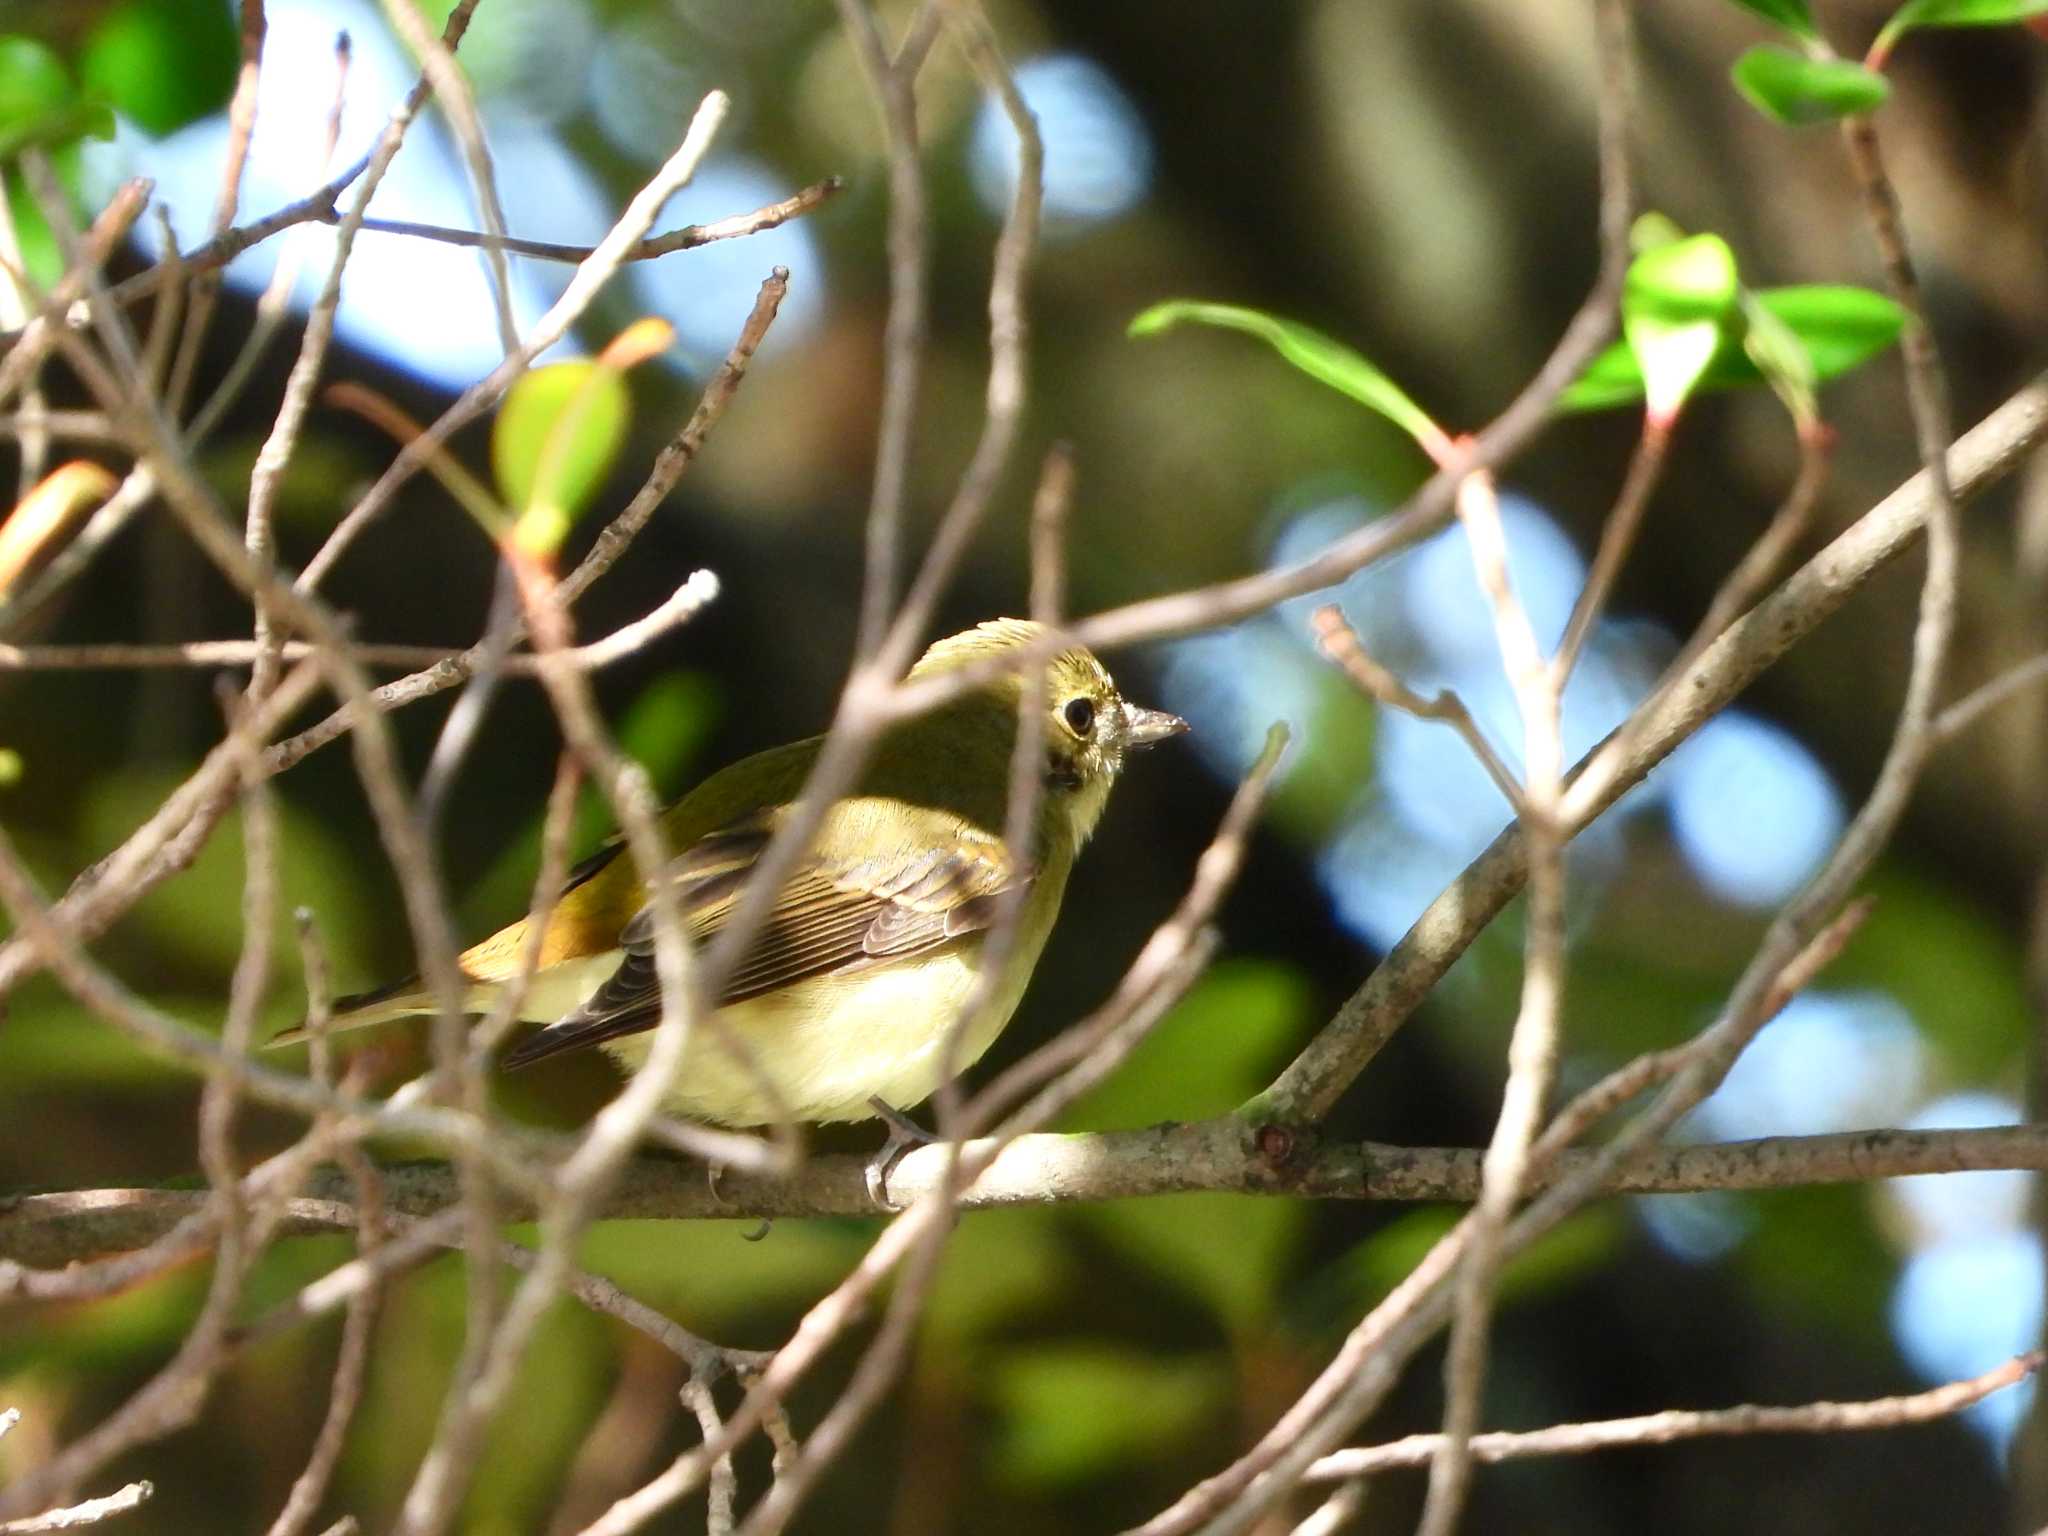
[(1617, 537), (686, 238), (458, 104), (90, 1512), (1536, 1042), (1980, 701), (1823, 1418), (894, 94), (1340, 645)]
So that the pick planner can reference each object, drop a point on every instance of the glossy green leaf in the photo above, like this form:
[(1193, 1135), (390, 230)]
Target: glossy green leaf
[(1915, 14), (556, 438), (164, 63), (66, 124), (1675, 302), (1840, 327), (1071, 1412), (1792, 15), (1327, 361), (10, 767), (1794, 89)]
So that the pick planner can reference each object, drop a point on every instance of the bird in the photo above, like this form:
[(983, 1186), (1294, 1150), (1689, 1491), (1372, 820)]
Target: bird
[(839, 1010)]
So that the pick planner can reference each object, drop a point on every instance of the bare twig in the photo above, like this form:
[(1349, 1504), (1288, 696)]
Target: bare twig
[(686, 238), (698, 589), (1617, 537), (1339, 642), (458, 103), (1536, 1041), (1976, 704), (90, 1512), (1824, 1418), (894, 93)]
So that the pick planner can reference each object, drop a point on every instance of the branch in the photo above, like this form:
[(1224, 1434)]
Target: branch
[(1222, 1155), (686, 238), (1680, 1424)]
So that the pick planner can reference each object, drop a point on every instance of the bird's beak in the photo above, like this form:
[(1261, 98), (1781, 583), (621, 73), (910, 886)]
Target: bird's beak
[(1146, 727)]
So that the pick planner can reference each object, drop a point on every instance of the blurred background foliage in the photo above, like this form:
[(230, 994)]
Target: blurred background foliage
[(1413, 176)]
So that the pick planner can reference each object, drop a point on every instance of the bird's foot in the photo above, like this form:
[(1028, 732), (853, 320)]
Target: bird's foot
[(905, 1135), (713, 1173)]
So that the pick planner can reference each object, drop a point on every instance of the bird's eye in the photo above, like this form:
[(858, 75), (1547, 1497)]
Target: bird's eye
[(1080, 715)]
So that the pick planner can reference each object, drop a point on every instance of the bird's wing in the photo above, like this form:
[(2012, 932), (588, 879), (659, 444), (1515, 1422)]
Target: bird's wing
[(835, 913)]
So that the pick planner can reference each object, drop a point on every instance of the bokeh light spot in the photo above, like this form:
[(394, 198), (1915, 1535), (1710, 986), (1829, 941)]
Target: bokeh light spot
[(1098, 156), (1832, 1061), (1752, 810)]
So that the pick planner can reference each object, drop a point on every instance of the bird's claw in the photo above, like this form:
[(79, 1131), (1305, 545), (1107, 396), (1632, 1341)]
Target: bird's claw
[(905, 1135)]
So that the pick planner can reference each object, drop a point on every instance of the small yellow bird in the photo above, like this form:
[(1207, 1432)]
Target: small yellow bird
[(873, 946)]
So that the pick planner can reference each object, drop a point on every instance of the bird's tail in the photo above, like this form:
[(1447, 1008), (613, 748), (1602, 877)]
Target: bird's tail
[(401, 1000)]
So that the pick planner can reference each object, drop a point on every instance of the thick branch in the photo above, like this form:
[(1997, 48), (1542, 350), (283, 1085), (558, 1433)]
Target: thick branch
[(1215, 1155)]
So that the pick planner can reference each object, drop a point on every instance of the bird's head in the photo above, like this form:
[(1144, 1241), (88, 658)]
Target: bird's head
[(1089, 725)]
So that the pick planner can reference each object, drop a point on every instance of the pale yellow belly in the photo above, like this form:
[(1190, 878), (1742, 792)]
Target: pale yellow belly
[(830, 1045)]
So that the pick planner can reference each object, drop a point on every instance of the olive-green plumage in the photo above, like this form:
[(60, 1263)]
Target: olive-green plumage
[(873, 946)]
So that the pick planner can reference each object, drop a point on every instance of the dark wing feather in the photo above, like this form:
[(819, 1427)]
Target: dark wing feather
[(831, 916)]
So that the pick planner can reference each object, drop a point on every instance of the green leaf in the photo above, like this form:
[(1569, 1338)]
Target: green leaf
[(1915, 14), (1955, 965), (1674, 303), (557, 436), (1792, 15), (37, 103), (194, 922), (1781, 357), (164, 63), (33, 82), (1793, 89), (54, 1044), (10, 767), (1651, 230), (1840, 326), (39, 253), (1217, 1046), (1224, 1040), (1001, 1264), (707, 1276), (1322, 359), (1072, 1412), (1337, 1295)]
